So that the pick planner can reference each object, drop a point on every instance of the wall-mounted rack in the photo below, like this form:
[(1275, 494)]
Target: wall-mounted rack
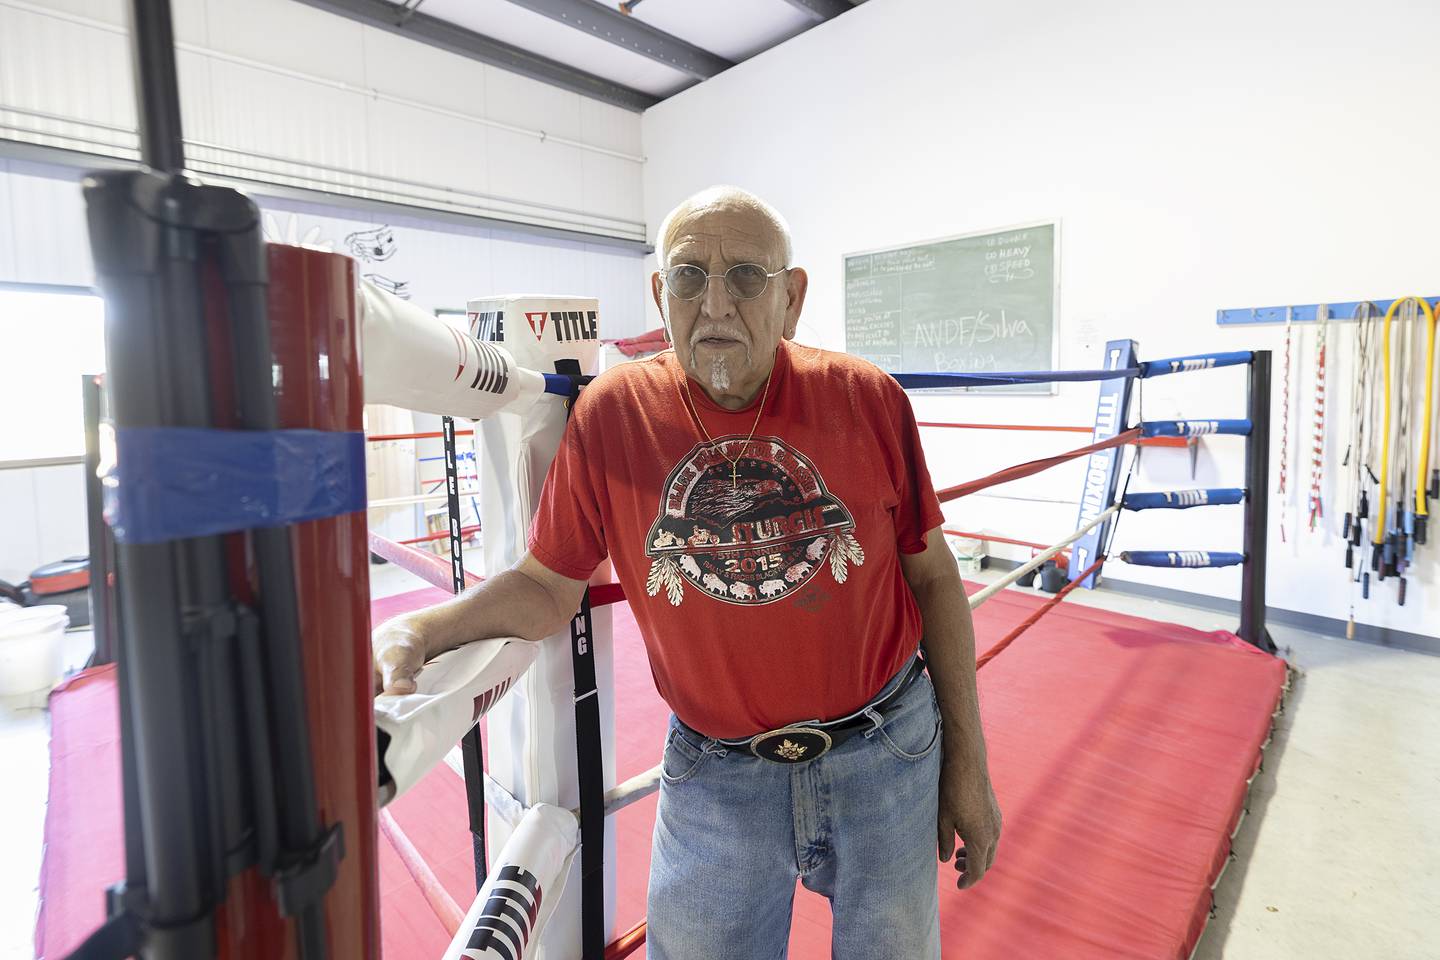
[(1300, 313)]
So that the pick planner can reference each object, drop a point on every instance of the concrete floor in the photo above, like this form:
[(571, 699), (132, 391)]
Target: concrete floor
[(1339, 858)]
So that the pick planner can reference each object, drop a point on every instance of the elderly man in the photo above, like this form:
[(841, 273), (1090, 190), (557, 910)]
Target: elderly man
[(769, 513)]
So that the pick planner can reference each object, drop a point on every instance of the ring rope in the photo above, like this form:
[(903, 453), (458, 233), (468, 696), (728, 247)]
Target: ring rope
[(932, 381), (992, 538), (446, 910), (1033, 467), (1007, 426), (435, 570), (432, 435), (1031, 620), (1039, 559)]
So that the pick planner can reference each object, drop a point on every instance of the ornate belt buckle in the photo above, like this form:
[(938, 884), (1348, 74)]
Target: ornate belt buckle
[(791, 744)]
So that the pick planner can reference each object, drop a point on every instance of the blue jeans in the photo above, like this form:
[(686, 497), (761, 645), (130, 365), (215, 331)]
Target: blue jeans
[(857, 825)]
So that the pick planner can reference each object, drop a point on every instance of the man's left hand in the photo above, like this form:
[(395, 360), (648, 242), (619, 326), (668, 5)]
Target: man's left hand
[(968, 808)]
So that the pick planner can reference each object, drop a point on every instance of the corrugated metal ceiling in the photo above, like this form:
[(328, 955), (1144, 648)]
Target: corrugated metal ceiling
[(632, 53)]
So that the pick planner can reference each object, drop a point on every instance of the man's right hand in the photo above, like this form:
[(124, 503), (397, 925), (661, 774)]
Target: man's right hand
[(400, 651), (528, 601)]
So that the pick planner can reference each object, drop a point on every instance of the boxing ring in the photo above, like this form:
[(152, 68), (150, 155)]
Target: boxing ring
[(1120, 748)]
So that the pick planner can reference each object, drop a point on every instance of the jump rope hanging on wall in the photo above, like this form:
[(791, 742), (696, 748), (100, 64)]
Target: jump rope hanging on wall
[(1387, 471)]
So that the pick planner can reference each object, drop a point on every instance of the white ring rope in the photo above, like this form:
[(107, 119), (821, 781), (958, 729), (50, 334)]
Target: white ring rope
[(1039, 559)]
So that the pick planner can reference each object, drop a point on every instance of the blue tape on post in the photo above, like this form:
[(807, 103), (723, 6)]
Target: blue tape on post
[(1201, 361), (1181, 558), (1193, 428), (930, 381), (170, 483), (1181, 499)]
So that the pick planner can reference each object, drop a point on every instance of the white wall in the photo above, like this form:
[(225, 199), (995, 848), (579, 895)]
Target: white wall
[(1198, 157), (276, 91), (42, 518), (43, 241)]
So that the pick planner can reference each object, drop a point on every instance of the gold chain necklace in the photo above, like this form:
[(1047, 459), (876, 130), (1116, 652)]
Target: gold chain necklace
[(735, 463)]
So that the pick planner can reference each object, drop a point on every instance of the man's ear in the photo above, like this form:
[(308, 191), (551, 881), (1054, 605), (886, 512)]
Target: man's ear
[(797, 281)]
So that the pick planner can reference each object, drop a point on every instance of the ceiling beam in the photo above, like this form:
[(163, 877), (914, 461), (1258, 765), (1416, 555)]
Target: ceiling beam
[(819, 10), (395, 18), (612, 26)]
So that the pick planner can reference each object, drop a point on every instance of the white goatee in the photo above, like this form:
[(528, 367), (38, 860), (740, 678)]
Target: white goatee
[(719, 375)]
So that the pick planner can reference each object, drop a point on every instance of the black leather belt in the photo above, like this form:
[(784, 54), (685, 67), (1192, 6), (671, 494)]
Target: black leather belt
[(802, 742)]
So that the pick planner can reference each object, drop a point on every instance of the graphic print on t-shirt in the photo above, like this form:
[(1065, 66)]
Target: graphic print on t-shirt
[(748, 534)]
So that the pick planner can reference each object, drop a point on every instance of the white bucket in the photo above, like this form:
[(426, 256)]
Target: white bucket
[(32, 647)]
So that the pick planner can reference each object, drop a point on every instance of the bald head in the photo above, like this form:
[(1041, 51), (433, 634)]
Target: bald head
[(769, 229)]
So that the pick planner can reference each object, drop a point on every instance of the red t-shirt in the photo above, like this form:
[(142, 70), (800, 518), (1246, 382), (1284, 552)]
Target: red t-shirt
[(778, 598)]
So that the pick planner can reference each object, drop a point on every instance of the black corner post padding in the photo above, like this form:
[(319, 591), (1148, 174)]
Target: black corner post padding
[(590, 768), (1252, 627), (591, 774), (472, 750)]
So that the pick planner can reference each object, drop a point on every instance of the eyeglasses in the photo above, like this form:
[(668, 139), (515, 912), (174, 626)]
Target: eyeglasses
[(745, 281)]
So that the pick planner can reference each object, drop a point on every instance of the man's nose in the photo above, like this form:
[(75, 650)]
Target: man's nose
[(717, 303)]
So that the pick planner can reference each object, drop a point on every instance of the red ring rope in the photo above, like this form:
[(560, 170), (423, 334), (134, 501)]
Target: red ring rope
[(1143, 441), (627, 943), (1060, 559), (1030, 621), (415, 436), (435, 570), (1034, 466), (1006, 426), (464, 532)]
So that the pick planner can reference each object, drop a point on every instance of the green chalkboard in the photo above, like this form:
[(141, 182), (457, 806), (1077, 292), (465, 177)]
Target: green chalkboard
[(977, 303)]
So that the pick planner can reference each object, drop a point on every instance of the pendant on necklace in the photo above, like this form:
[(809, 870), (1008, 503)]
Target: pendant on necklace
[(734, 469)]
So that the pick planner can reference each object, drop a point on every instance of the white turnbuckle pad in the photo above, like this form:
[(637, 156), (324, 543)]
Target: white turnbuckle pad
[(452, 693)]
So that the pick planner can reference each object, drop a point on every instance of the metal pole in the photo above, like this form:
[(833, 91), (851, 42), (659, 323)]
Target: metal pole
[(162, 589), (152, 40), (1257, 506), (102, 550), (472, 751)]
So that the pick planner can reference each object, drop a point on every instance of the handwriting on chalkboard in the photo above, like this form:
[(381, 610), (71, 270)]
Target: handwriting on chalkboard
[(966, 331), (872, 329), (982, 302), (965, 362), (902, 261), (1008, 257)]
